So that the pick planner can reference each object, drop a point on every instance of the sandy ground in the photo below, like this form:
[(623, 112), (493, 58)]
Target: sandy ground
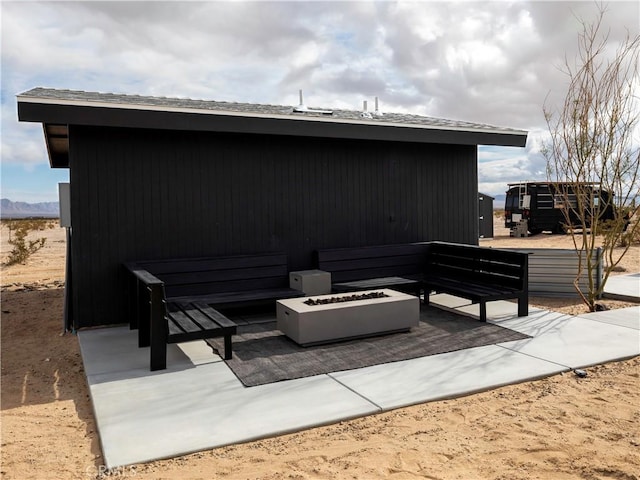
[(562, 427)]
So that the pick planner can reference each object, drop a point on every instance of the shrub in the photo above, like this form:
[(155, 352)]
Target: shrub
[(18, 231)]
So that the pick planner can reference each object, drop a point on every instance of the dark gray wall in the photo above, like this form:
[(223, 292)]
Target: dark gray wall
[(143, 194), (485, 212)]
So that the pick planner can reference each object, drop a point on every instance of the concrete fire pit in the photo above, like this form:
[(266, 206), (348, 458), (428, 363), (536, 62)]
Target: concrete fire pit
[(315, 324)]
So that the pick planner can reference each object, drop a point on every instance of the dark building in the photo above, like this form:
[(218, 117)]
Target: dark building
[(485, 218), (157, 177)]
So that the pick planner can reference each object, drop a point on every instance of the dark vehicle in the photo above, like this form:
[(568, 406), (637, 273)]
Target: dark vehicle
[(542, 205)]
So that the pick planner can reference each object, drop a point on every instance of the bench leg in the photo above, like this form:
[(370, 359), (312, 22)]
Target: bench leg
[(228, 353), (133, 300), (427, 290), (144, 327), (159, 332), (523, 306), (483, 311), (144, 315), (158, 355)]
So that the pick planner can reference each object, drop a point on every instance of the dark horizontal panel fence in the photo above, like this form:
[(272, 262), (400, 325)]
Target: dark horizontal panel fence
[(552, 271)]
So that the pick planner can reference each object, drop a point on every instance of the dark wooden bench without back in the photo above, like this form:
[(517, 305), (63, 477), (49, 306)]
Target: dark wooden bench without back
[(478, 274), (399, 267), (176, 300)]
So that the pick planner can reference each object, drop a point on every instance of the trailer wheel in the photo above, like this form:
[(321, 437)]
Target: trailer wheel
[(535, 231)]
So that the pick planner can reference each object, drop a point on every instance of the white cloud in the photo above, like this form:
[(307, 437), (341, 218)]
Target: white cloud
[(490, 62), (21, 144)]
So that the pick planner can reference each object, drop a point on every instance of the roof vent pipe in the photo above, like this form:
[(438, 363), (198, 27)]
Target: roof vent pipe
[(364, 113), (377, 113), (302, 107)]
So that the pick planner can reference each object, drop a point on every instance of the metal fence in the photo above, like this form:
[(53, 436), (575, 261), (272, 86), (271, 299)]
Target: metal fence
[(552, 271)]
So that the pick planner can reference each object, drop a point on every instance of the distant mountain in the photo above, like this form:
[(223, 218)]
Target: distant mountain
[(9, 209), (498, 201)]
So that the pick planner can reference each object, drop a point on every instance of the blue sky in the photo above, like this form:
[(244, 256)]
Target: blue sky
[(487, 62)]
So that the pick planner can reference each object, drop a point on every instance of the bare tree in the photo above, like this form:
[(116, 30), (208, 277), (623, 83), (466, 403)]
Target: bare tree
[(593, 153)]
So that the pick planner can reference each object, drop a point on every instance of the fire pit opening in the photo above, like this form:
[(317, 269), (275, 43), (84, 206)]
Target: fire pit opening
[(348, 298)]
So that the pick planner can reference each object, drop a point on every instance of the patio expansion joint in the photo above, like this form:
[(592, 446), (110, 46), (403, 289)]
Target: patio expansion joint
[(608, 323), (536, 357), (355, 392)]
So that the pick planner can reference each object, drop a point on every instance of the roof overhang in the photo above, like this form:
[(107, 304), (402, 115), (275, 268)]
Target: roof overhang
[(57, 114), (57, 139)]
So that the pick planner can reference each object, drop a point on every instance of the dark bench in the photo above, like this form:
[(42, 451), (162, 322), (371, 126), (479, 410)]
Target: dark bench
[(478, 274), (399, 267), (177, 322), (178, 299)]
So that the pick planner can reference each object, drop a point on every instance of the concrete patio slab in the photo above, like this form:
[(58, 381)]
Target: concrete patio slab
[(444, 376), (628, 317), (144, 416), (623, 287), (538, 322), (115, 349), (198, 403), (579, 342)]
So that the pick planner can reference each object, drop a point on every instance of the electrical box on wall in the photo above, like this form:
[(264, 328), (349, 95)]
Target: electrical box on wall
[(64, 195)]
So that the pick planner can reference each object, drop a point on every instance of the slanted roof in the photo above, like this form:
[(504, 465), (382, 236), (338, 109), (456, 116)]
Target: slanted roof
[(57, 109)]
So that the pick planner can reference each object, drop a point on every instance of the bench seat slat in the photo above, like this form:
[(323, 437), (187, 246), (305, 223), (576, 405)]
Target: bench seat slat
[(180, 321), (219, 318), (188, 322), (202, 320)]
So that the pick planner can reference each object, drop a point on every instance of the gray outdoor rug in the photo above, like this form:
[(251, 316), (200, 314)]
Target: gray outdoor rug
[(262, 354)]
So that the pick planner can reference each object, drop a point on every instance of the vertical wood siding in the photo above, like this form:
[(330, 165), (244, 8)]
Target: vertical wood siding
[(141, 194)]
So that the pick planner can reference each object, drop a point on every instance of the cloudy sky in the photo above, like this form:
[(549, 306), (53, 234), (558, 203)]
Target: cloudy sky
[(488, 62)]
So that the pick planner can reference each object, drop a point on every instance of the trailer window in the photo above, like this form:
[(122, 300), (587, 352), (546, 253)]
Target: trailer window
[(511, 202), (564, 201)]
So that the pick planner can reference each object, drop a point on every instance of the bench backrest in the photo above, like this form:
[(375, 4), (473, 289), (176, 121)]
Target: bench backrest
[(199, 276), (489, 266), (362, 263)]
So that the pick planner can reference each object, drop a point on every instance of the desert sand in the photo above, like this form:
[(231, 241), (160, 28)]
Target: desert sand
[(561, 427)]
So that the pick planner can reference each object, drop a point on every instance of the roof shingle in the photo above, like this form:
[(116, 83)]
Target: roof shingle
[(252, 109)]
